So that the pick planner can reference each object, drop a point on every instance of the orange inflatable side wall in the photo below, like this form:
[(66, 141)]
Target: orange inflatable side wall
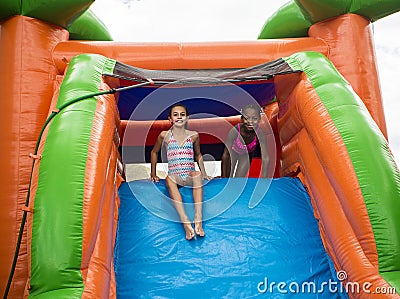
[(34, 182), (102, 177), (27, 73), (308, 152), (271, 112), (100, 198), (351, 50)]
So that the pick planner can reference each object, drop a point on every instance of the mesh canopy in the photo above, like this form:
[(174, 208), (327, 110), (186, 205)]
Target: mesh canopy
[(263, 71), (216, 92)]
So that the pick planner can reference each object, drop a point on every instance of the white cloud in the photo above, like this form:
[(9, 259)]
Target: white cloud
[(176, 20), (387, 47), (229, 20)]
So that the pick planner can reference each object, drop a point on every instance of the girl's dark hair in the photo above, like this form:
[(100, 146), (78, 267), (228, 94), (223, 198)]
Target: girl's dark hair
[(251, 106), (177, 105)]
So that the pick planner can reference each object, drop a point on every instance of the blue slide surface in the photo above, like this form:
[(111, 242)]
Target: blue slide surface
[(260, 242)]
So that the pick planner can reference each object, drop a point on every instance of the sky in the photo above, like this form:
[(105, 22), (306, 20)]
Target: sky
[(240, 20)]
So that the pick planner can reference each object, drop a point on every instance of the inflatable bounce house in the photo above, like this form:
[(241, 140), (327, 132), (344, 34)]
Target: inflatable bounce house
[(76, 107)]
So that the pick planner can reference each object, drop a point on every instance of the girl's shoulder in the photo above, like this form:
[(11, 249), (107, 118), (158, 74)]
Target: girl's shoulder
[(164, 134), (193, 134)]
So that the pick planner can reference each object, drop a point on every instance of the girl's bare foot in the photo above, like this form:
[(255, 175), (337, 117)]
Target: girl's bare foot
[(198, 228), (189, 231)]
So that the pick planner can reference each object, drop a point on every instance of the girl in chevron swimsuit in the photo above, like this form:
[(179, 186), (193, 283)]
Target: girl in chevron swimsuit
[(241, 143), (183, 149)]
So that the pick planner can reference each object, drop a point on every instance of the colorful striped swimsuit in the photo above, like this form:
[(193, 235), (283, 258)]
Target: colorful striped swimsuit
[(180, 158)]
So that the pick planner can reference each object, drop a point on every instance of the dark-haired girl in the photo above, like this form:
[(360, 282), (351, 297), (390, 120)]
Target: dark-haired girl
[(183, 149)]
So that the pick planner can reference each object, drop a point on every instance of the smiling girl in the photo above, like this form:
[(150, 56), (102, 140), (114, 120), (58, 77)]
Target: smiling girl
[(242, 141), (183, 149)]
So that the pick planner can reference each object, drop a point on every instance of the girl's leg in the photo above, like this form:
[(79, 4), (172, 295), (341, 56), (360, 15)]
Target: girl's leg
[(243, 166), (228, 162), (234, 160), (196, 179), (178, 204)]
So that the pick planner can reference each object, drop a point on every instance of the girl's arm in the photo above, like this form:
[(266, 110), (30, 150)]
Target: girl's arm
[(226, 157), (262, 138), (154, 156), (199, 157)]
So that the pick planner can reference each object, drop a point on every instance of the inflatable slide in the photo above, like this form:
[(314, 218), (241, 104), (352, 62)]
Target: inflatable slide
[(75, 111), (247, 251)]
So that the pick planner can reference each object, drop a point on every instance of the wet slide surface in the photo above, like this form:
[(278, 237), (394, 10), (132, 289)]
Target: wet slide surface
[(260, 242)]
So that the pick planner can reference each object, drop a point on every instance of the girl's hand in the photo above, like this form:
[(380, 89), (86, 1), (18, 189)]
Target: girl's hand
[(207, 177), (155, 178)]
